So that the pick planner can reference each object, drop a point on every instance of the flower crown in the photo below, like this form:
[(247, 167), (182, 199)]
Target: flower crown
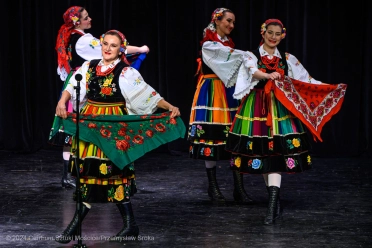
[(74, 19), (218, 16), (122, 46), (263, 30)]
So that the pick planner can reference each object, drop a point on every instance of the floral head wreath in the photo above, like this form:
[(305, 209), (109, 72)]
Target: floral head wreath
[(71, 18), (269, 21), (216, 15), (123, 45)]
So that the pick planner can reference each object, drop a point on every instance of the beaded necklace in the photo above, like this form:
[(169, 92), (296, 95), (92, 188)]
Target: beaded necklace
[(271, 64), (111, 67)]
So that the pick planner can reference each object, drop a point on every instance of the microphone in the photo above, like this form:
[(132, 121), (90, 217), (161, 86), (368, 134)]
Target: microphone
[(78, 77)]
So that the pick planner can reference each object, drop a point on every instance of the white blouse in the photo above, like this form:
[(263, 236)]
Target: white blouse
[(140, 97), (88, 47)]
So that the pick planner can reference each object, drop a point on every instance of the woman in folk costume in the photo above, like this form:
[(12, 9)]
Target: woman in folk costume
[(110, 139), (213, 107), (74, 47), (268, 136)]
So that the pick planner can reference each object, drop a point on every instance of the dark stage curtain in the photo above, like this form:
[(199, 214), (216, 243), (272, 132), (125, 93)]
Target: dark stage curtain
[(332, 39)]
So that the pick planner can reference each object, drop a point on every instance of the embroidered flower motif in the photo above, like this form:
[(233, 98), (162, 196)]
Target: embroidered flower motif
[(199, 130), (308, 159), (226, 131), (256, 164), (271, 145), (74, 19), (122, 145), (291, 163), (119, 193), (94, 42), (238, 162), (249, 145), (207, 151), (138, 139), (296, 142), (103, 169), (150, 96)]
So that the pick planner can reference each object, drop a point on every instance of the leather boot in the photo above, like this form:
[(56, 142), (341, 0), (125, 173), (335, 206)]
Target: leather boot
[(130, 229), (71, 230), (67, 180), (240, 195), (214, 192), (279, 209), (272, 207)]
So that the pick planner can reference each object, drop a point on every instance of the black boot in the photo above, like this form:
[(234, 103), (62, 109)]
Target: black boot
[(279, 209), (130, 229), (214, 192), (71, 230), (240, 195), (272, 207), (67, 180)]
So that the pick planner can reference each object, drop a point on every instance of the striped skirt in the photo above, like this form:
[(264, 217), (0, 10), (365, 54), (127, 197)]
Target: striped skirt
[(212, 112), (265, 137), (100, 179)]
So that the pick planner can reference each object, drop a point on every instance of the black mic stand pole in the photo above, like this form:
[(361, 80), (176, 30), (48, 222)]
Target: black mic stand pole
[(79, 203)]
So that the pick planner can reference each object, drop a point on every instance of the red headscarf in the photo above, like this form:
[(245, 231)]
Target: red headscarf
[(269, 21), (71, 18), (210, 33), (123, 45)]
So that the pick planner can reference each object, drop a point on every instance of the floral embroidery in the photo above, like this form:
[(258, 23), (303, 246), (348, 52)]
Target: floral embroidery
[(150, 96), (308, 159), (196, 129), (256, 164), (94, 42), (207, 151), (137, 81), (103, 169), (293, 143), (291, 163), (249, 145), (226, 131), (228, 56), (83, 190), (238, 162), (271, 145)]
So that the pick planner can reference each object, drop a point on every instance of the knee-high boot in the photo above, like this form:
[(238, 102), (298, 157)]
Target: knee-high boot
[(69, 233), (214, 192), (240, 195), (67, 180), (279, 209), (130, 228), (272, 206)]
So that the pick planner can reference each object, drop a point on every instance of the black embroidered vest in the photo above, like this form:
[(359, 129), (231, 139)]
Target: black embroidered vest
[(75, 60), (104, 88), (282, 64)]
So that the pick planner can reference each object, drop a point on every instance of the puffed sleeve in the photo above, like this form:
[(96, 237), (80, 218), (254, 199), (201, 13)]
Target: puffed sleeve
[(73, 83), (245, 81), (88, 47), (297, 71), (140, 97), (223, 60)]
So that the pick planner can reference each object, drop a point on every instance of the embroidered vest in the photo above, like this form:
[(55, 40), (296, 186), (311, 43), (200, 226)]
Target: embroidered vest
[(75, 60), (260, 65), (104, 88)]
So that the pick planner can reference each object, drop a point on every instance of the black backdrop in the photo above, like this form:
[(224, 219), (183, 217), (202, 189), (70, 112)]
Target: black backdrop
[(332, 39)]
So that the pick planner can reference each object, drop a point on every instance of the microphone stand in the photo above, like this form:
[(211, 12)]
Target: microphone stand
[(78, 78)]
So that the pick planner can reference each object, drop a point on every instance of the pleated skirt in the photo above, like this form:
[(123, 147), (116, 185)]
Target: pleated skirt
[(265, 137), (212, 112)]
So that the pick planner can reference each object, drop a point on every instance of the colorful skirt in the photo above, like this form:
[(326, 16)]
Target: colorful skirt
[(100, 179), (265, 137), (213, 110), (61, 138)]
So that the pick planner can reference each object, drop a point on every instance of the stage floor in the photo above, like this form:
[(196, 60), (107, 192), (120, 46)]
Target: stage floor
[(328, 206)]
